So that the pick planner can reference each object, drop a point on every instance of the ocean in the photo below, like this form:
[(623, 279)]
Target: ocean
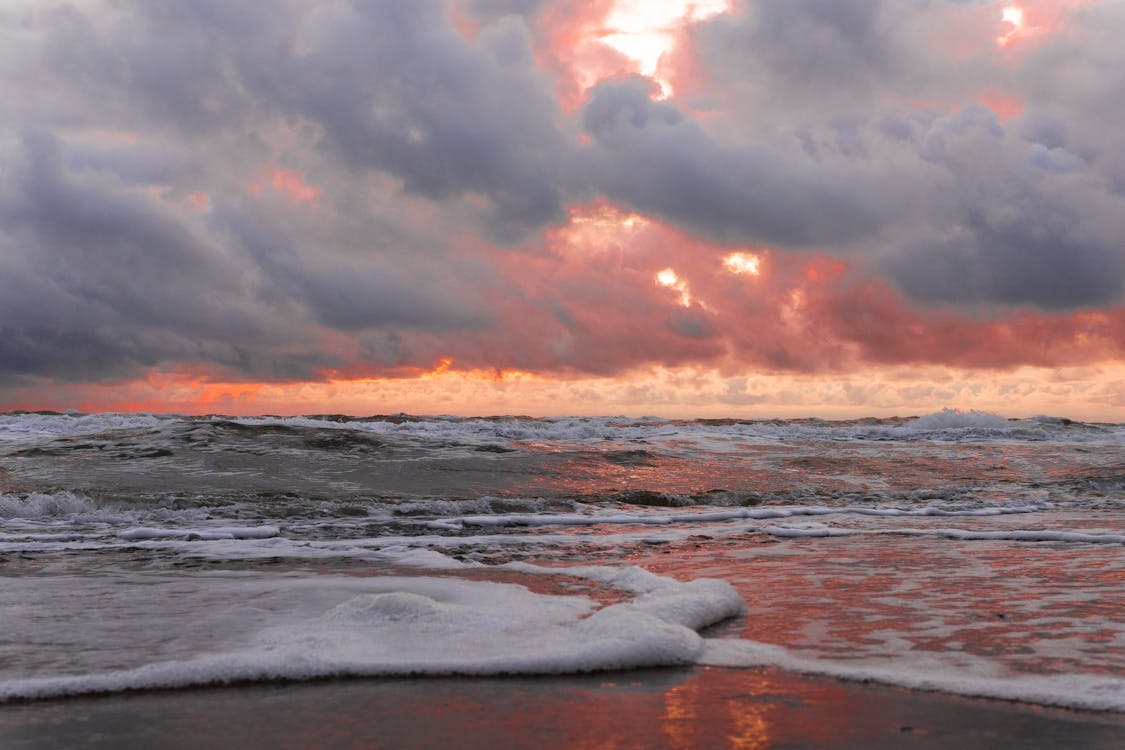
[(959, 552)]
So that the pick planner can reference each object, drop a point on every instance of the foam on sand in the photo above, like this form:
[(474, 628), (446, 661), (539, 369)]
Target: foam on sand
[(1092, 692), (436, 626)]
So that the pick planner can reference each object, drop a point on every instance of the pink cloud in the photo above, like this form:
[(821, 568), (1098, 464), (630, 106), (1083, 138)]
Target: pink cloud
[(589, 300), (292, 184)]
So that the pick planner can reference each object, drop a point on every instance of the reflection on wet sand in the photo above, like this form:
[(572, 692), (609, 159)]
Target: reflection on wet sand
[(681, 709)]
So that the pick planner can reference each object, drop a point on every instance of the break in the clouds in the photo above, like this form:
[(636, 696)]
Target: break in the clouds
[(309, 190)]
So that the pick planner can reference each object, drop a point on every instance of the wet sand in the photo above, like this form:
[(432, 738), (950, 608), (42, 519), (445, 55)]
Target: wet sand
[(671, 708)]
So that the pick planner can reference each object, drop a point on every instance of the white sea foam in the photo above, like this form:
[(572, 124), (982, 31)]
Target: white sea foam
[(1017, 535), (1080, 691), (807, 532), (1010, 535), (954, 419), (25, 426), (435, 626), (758, 513), (207, 534), (38, 506)]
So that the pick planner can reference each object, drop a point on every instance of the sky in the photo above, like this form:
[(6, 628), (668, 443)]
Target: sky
[(741, 208)]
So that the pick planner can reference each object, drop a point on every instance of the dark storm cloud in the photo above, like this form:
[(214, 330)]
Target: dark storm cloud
[(1016, 223), (1074, 92), (98, 280)]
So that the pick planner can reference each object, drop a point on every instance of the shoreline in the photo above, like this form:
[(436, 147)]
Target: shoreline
[(673, 708)]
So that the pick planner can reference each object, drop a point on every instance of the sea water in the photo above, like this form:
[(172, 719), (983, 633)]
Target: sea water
[(955, 552)]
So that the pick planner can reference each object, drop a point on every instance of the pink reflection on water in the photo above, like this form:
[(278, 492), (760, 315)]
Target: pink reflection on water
[(1034, 608), (827, 468)]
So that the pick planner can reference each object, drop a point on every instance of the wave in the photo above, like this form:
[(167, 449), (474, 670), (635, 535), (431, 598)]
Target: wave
[(39, 506), (964, 535), (64, 508), (1089, 692), (25, 425), (954, 419), (495, 433), (206, 534), (572, 519)]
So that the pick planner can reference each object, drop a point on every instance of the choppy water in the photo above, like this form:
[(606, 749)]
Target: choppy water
[(956, 552)]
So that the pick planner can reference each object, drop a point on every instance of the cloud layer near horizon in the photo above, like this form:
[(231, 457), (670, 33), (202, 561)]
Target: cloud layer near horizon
[(363, 189)]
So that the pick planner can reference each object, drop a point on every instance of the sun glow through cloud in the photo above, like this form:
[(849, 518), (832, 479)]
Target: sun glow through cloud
[(645, 30), (669, 278), (1013, 15), (743, 264)]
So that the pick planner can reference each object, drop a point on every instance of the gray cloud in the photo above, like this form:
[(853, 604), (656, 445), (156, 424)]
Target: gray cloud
[(490, 11), (651, 156), (982, 212), (395, 88), (1015, 223), (351, 287), (100, 279), (814, 53)]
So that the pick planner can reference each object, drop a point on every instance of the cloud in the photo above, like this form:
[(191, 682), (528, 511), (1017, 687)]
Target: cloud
[(653, 157), (1013, 223), (363, 188), (813, 52), (393, 87), (99, 278), (885, 100)]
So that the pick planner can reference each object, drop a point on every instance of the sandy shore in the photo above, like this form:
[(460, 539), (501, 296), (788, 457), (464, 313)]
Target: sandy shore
[(692, 708)]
